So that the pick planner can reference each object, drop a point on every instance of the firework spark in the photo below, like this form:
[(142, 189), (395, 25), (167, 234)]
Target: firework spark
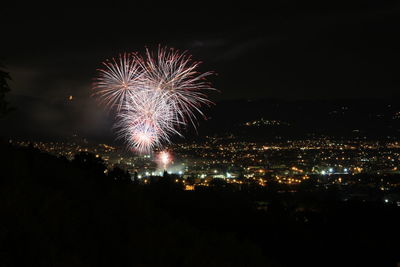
[(164, 158), (175, 74), (146, 121), (118, 79), (155, 95)]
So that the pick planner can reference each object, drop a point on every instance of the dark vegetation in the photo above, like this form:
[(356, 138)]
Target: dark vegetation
[(60, 213), (4, 89)]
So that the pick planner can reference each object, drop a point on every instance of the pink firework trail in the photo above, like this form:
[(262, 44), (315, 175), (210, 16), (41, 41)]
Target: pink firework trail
[(164, 159), (154, 96)]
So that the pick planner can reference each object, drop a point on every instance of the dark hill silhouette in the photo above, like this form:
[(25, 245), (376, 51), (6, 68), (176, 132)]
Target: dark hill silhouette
[(60, 213), (345, 118)]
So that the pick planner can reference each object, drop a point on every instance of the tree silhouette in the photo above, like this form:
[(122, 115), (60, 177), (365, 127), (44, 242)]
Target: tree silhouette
[(218, 183), (91, 163), (4, 89), (119, 174)]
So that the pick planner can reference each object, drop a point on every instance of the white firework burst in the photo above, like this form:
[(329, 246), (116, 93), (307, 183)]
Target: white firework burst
[(176, 75), (154, 96), (146, 121), (118, 79)]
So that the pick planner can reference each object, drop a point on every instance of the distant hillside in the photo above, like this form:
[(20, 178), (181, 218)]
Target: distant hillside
[(268, 118)]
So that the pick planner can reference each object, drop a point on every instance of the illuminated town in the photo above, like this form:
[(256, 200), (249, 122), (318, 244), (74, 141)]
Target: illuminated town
[(355, 164)]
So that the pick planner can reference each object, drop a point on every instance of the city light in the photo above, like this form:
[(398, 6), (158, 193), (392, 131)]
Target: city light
[(247, 161)]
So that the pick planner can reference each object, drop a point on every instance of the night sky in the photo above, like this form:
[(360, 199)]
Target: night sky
[(289, 51)]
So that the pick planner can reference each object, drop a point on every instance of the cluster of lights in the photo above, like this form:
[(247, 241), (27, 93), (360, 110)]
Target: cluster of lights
[(345, 170)]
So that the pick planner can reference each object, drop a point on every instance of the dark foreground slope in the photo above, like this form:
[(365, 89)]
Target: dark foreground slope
[(60, 213), (57, 213)]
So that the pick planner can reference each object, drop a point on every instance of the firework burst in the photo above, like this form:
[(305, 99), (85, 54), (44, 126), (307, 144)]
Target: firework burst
[(146, 121), (117, 80), (154, 96), (176, 75)]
